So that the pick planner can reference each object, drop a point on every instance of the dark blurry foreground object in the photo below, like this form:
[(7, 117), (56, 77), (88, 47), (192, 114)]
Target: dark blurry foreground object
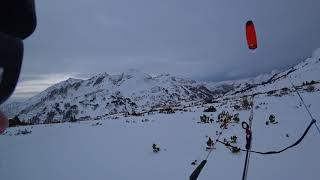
[(251, 36), (11, 53), (17, 22), (17, 18)]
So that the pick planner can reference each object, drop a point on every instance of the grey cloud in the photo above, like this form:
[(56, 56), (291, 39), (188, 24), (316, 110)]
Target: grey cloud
[(202, 39)]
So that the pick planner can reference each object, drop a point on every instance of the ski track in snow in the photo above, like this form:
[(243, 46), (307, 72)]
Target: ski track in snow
[(120, 150)]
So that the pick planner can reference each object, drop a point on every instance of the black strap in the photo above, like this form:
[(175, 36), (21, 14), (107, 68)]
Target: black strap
[(247, 128), (197, 171), (280, 151), (11, 53), (244, 174)]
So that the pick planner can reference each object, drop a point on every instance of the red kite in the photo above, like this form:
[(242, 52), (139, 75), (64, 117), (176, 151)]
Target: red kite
[(251, 35)]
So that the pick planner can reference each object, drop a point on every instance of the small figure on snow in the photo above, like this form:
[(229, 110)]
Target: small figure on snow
[(272, 119), (194, 162), (236, 118), (211, 120), (209, 143), (204, 119), (233, 139), (224, 124), (235, 149), (155, 148)]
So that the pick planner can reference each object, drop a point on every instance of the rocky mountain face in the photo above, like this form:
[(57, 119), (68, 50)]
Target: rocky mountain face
[(102, 95)]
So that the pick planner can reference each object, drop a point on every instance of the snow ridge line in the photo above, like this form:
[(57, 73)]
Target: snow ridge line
[(271, 80)]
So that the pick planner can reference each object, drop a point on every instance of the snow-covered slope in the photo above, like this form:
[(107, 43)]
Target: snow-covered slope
[(104, 94), (121, 149), (225, 87), (305, 72)]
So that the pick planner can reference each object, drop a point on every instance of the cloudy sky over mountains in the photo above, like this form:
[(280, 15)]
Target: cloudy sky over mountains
[(203, 39)]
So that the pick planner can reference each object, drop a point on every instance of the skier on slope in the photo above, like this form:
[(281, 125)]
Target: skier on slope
[(209, 143), (155, 148)]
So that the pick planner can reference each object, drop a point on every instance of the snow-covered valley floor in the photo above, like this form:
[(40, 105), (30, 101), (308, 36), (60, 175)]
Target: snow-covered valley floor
[(121, 149)]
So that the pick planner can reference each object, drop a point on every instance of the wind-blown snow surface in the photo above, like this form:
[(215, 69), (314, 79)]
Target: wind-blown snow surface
[(121, 148)]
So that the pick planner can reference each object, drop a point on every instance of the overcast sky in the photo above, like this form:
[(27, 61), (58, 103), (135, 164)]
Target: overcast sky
[(199, 39)]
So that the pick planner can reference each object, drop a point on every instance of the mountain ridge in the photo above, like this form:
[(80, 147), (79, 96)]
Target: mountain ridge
[(135, 91), (104, 94)]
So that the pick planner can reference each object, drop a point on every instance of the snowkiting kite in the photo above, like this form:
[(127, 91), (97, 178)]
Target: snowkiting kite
[(251, 36)]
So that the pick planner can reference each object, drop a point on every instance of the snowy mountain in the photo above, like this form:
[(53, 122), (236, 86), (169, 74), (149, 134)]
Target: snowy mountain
[(104, 94), (11, 108), (122, 148), (135, 92), (224, 87)]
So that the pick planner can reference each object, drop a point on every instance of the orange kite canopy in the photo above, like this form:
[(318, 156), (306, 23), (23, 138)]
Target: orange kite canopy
[(251, 35)]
